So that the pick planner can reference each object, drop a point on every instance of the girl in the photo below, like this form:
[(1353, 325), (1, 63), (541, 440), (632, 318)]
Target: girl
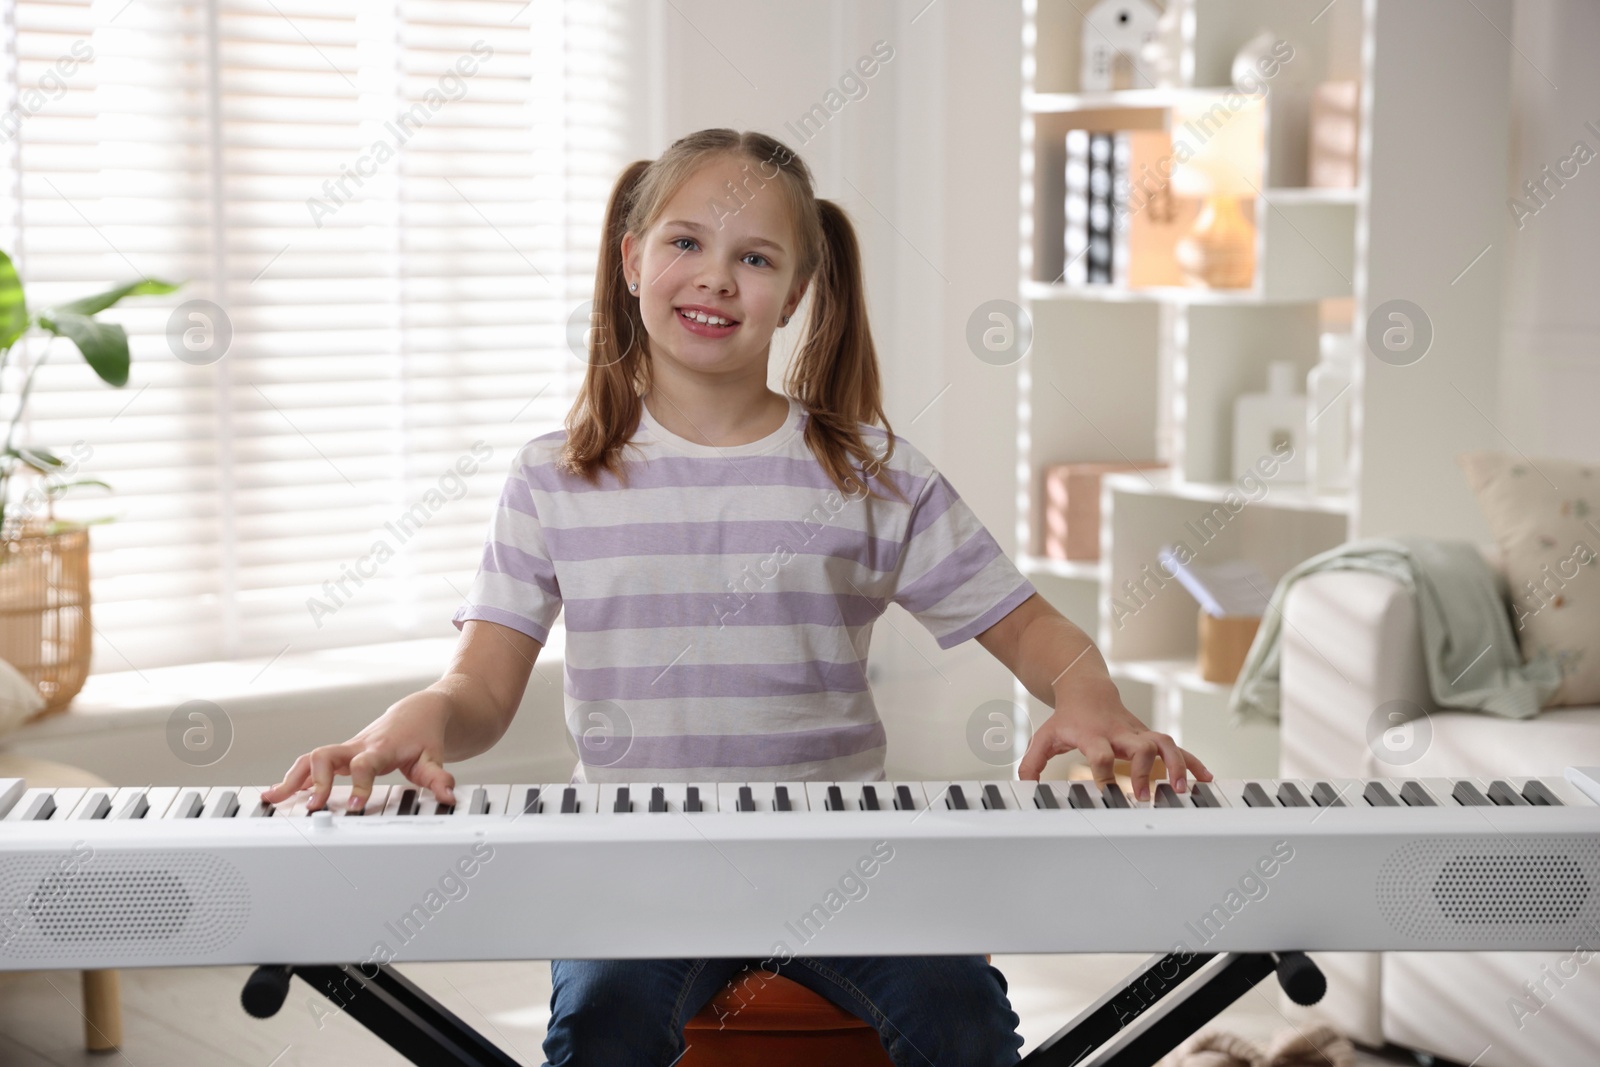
[(722, 551)]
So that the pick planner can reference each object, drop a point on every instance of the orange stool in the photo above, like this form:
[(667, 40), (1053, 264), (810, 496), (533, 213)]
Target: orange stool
[(777, 1023)]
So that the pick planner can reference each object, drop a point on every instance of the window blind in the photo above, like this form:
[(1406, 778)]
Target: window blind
[(396, 208)]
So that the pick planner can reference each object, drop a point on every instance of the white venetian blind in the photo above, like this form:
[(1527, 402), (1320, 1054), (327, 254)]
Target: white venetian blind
[(397, 207)]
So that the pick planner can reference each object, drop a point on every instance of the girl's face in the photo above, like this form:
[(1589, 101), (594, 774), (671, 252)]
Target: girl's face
[(722, 251)]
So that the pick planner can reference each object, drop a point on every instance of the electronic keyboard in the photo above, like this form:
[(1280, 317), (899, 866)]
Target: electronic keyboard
[(192, 876)]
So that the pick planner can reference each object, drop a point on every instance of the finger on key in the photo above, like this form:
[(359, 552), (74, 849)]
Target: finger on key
[(1196, 768), (363, 769), (428, 773), (1144, 755), (1101, 762), (1172, 757), (292, 781), (325, 763)]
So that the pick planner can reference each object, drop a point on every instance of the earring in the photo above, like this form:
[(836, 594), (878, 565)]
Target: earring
[(784, 321), (633, 287)]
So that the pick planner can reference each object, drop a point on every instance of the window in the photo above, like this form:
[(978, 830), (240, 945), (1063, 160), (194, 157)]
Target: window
[(396, 208)]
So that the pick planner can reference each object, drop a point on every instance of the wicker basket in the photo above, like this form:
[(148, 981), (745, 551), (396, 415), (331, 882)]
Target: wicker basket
[(44, 610)]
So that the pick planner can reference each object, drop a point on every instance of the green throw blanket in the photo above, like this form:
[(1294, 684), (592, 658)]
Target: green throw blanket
[(1474, 660)]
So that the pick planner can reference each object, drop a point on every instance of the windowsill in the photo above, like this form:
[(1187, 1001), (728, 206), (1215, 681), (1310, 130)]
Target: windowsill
[(363, 675)]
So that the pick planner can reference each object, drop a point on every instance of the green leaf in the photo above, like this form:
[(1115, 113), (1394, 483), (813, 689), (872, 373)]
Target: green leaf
[(91, 305), (55, 491), (13, 305), (40, 459), (103, 344)]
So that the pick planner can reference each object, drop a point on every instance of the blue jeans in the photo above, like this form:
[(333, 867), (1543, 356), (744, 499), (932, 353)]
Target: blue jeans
[(950, 1011)]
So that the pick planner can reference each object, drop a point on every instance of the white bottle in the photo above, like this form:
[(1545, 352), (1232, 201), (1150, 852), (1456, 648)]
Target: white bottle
[(1269, 429), (1329, 388)]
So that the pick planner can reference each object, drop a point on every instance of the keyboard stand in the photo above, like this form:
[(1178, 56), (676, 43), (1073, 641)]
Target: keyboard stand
[(1165, 1001), (1133, 1025), (407, 1019)]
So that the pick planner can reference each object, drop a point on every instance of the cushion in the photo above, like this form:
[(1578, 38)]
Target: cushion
[(1545, 516), (19, 698)]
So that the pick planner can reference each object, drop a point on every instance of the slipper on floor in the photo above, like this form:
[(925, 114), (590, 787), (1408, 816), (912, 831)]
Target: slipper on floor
[(1315, 1046), (1216, 1048)]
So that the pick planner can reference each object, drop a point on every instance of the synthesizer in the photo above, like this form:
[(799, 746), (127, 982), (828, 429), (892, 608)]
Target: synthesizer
[(192, 876)]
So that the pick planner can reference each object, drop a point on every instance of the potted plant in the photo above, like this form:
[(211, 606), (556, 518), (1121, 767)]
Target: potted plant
[(44, 563)]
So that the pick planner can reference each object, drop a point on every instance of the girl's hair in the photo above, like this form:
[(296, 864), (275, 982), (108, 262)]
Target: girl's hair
[(834, 373)]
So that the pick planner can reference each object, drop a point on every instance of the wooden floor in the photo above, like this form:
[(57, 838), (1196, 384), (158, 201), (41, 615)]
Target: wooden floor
[(184, 1017)]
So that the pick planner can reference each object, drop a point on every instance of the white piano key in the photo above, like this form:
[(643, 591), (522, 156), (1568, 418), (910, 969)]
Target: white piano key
[(849, 795), (1559, 788), (494, 796), (28, 805), (11, 790), (189, 802), (518, 798), (1023, 793), (919, 799), (160, 798), (66, 801)]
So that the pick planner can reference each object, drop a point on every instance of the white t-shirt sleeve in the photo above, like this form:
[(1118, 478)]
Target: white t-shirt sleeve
[(516, 582), (952, 575)]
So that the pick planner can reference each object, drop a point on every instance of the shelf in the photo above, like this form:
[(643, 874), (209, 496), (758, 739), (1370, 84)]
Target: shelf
[(1033, 290), (1077, 570), (1117, 100), (1161, 672), (1285, 196), (1289, 496)]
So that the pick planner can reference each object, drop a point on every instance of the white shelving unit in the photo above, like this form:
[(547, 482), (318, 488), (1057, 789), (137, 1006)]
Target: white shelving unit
[(1118, 373)]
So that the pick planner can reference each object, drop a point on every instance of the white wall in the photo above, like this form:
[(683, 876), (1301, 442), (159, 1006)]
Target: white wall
[(1550, 363), (926, 165)]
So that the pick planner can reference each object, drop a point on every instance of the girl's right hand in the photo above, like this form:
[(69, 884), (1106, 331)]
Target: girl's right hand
[(409, 737)]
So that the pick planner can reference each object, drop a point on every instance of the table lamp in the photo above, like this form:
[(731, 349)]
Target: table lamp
[(1217, 154)]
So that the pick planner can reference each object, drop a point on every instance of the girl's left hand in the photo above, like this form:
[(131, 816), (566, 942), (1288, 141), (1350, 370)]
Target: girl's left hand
[(1096, 724)]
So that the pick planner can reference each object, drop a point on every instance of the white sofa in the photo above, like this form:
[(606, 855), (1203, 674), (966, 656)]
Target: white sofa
[(1351, 645)]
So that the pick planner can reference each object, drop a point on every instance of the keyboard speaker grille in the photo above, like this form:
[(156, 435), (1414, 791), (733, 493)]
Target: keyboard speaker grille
[(103, 902), (1491, 889)]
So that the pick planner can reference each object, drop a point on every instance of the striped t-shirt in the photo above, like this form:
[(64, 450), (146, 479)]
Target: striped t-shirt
[(720, 604)]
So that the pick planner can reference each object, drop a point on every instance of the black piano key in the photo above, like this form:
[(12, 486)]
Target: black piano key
[(1502, 793), (40, 808), (1167, 797), (1415, 795), (992, 799), (263, 810), (1538, 794), (137, 807), (869, 799), (479, 804), (658, 799), (569, 801), (1378, 796), (530, 802), (98, 808), (1326, 796), (691, 798), (1203, 796), (1111, 793), (902, 798), (1255, 796), (835, 801), (1045, 797), (444, 809), (408, 802), (780, 799), (226, 806), (1469, 795), (623, 804), (956, 800), (1078, 796), (747, 799), (1289, 796), (188, 806)]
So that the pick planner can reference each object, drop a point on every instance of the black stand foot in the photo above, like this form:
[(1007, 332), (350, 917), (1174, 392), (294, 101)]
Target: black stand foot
[(1137, 1023), (402, 1015)]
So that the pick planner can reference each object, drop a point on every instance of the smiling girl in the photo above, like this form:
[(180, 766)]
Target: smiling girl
[(721, 551)]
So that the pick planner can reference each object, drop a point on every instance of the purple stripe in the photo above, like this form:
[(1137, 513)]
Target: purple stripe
[(652, 611), (750, 750), (747, 537), (990, 617), (949, 574), (715, 680), (514, 496), (513, 562), (740, 472), (484, 613), (941, 497)]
